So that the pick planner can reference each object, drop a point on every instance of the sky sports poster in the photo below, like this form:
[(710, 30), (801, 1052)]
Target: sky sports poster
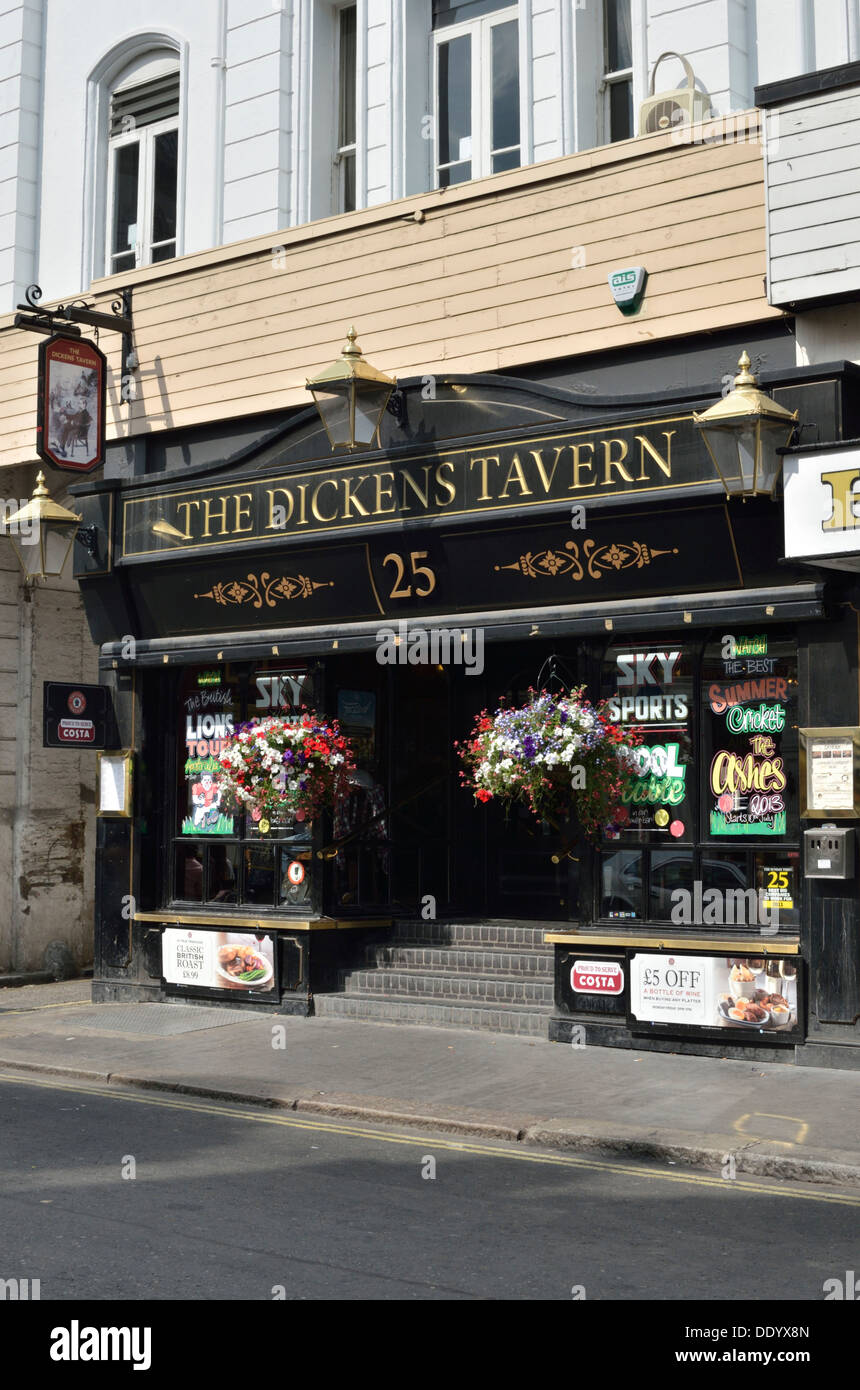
[(650, 689)]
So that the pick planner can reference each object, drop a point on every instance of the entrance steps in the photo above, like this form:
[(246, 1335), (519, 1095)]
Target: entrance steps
[(496, 976)]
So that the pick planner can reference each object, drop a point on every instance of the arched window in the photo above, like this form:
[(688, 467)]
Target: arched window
[(143, 162)]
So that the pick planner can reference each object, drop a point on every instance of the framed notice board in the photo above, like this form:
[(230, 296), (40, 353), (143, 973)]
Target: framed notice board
[(830, 773)]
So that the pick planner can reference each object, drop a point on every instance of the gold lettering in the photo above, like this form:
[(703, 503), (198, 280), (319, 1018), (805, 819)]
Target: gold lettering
[(187, 506), (609, 462), (387, 493), (516, 475), (349, 500), (318, 515), (445, 483), (665, 464), (219, 516), (577, 465), (843, 516), (491, 458), (538, 458), (303, 497), (242, 514), (271, 493), (423, 497)]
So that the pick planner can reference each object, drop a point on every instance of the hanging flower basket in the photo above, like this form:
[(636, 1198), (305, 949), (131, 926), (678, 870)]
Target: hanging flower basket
[(558, 754), (296, 767)]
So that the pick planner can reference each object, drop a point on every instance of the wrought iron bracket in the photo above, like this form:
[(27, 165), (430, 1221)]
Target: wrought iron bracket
[(88, 538), (396, 406), (66, 317)]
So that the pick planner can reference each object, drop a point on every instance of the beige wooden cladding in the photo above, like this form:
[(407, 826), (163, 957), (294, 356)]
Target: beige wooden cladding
[(499, 273)]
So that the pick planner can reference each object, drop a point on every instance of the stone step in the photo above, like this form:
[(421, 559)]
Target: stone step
[(506, 935), (524, 1019), (499, 989), (458, 959)]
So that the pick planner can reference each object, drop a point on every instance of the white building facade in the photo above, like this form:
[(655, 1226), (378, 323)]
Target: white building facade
[(240, 118)]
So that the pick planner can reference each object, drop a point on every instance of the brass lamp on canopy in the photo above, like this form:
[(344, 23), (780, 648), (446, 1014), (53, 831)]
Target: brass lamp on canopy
[(42, 533), (351, 397), (743, 432)]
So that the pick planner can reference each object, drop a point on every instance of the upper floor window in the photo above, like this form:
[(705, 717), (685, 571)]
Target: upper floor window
[(477, 87), (618, 70), (346, 109), (143, 156)]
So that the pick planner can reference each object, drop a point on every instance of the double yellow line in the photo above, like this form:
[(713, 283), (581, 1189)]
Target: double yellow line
[(426, 1142)]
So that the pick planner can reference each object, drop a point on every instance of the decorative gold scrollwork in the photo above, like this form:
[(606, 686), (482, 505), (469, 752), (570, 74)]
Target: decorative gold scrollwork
[(598, 560), (264, 590)]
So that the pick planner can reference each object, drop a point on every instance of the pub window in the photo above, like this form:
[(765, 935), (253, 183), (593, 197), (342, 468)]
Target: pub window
[(617, 70), (344, 162), (648, 855), (221, 855), (143, 161), (477, 88), (714, 806)]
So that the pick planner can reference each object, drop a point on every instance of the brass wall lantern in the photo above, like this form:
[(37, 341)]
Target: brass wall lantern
[(351, 397), (743, 433), (43, 532)]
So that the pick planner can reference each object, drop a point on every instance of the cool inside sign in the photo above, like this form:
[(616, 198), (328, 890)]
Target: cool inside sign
[(627, 287)]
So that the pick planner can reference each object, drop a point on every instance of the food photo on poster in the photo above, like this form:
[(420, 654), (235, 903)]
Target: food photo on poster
[(756, 994), (218, 960)]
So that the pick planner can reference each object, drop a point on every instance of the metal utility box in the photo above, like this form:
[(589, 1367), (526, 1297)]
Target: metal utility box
[(829, 852)]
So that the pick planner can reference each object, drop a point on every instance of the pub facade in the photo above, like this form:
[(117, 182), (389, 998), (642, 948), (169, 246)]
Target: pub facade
[(506, 534)]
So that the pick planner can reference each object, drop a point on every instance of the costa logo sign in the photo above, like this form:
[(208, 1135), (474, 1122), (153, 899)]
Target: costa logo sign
[(596, 977)]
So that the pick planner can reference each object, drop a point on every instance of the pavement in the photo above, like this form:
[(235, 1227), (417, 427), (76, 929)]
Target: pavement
[(797, 1123)]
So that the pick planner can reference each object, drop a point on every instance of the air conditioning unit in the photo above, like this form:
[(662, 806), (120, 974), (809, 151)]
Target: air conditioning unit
[(668, 110)]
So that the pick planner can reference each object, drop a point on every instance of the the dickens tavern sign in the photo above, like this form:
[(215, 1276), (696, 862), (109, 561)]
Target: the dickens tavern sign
[(510, 476)]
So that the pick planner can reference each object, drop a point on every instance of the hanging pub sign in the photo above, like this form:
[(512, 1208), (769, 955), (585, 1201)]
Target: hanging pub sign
[(70, 422)]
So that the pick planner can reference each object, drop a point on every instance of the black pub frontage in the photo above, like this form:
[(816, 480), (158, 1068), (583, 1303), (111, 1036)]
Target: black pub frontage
[(507, 534)]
